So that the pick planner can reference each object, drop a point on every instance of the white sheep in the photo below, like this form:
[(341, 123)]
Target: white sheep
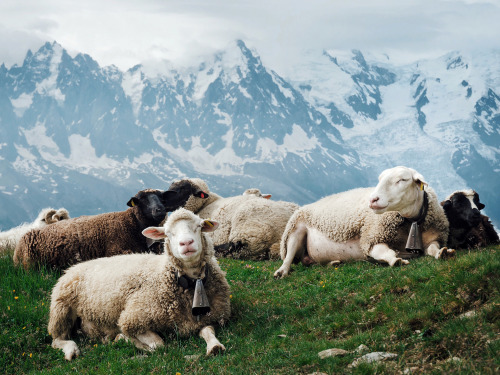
[(369, 222), (137, 296), (46, 216), (249, 227), (257, 193)]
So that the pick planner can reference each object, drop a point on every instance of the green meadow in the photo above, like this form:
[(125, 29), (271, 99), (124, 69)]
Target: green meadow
[(280, 326)]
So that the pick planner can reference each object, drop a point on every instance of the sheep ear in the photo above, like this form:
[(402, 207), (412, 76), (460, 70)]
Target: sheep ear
[(266, 196), (446, 204), (132, 202), (209, 225), (155, 233), (419, 180)]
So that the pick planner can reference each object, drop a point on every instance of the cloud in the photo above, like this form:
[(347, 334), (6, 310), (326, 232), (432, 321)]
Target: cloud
[(128, 32)]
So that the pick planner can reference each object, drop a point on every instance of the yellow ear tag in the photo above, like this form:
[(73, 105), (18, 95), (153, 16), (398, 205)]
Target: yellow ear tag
[(421, 186), (132, 203), (209, 223)]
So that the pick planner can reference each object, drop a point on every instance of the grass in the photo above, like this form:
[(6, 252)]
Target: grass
[(279, 326)]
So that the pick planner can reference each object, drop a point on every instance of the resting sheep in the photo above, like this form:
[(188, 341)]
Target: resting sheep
[(138, 296), (469, 229), (249, 227), (367, 222), (88, 237), (47, 216), (257, 193)]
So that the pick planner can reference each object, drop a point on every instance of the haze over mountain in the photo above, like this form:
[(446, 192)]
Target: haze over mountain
[(86, 137)]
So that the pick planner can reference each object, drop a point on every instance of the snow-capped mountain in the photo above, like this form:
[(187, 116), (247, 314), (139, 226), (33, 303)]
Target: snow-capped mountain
[(86, 137), (441, 116)]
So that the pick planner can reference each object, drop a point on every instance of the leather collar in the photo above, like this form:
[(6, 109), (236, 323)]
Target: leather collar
[(188, 282)]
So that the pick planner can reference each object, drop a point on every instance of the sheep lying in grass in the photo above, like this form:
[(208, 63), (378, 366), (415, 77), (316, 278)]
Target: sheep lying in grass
[(47, 216), (249, 227), (370, 222), (88, 237), (469, 228), (138, 296)]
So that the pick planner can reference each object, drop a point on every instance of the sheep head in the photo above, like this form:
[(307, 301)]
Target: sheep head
[(183, 235), (399, 189)]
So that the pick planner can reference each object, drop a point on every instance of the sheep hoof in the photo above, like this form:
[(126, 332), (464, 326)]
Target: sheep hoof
[(280, 273), (216, 349), (71, 351), (445, 253), (399, 262)]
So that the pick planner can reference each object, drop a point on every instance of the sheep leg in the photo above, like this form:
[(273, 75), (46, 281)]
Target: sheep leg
[(295, 247), (437, 252), (382, 252), (69, 348), (213, 345), (61, 321), (148, 340)]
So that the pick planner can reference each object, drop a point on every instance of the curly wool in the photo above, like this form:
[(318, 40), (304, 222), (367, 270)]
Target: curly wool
[(144, 296), (256, 222), (68, 242), (345, 216)]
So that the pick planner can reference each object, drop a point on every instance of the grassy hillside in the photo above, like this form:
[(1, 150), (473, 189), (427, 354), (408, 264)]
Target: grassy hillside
[(279, 326)]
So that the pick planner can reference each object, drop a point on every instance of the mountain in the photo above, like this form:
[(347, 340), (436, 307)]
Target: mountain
[(86, 137), (439, 116)]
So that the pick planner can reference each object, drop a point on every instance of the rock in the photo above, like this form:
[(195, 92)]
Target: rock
[(332, 353), (373, 357), (410, 370), (282, 336), (360, 349), (468, 314), (318, 373), (453, 359)]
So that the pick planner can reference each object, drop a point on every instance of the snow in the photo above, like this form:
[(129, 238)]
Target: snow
[(22, 103), (49, 85), (223, 163), (225, 117), (133, 86), (298, 142)]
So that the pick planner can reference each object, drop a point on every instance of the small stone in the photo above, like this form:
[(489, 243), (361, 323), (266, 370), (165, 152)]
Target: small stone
[(282, 336), (410, 370), (453, 359), (373, 357), (318, 373), (332, 353), (193, 357), (360, 349), (468, 314)]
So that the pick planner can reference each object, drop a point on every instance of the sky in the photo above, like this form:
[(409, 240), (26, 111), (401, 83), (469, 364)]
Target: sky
[(128, 32)]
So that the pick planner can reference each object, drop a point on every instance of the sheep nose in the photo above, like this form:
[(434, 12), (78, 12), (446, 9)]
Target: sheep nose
[(186, 242), (373, 200)]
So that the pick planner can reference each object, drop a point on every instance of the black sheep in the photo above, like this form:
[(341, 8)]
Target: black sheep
[(469, 229)]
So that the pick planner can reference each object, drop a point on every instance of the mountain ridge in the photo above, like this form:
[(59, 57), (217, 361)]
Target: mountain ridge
[(86, 137)]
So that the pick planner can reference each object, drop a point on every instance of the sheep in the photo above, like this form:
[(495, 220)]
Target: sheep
[(137, 296), (469, 229), (87, 237), (249, 227), (46, 216), (367, 222), (257, 193)]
